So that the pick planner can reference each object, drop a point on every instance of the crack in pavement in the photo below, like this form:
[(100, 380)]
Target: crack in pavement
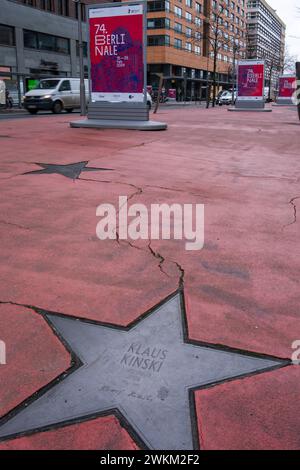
[(158, 256), (155, 254), (176, 190), (294, 207), (15, 225), (162, 259), (292, 203)]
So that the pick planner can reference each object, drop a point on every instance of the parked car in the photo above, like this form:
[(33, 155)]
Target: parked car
[(219, 95), (226, 98), (55, 94)]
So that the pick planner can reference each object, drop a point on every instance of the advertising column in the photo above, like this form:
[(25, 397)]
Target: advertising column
[(116, 54), (250, 84), (287, 87), (117, 38)]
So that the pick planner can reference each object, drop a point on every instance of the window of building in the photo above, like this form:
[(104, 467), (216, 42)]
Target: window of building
[(158, 5), (178, 43), (60, 7), (7, 35), (46, 42), (178, 11), (198, 7), (198, 21), (178, 27), (158, 23), (67, 8), (158, 40), (30, 39), (31, 3), (188, 16), (47, 5), (188, 32)]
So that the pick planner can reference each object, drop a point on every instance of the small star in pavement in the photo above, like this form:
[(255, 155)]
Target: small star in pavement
[(72, 170), (145, 374)]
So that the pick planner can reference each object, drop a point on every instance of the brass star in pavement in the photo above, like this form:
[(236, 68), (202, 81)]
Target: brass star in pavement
[(71, 170), (145, 374)]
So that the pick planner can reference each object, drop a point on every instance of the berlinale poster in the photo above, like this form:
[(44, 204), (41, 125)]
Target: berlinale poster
[(250, 80), (116, 53), (287, 86)]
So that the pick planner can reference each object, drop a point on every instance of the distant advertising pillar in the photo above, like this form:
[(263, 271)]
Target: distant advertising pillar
[(287, 87), (117, 67), (250, 84), (172, 94)]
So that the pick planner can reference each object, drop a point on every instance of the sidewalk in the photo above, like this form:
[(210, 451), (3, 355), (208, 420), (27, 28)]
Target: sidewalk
[(241, 291), (12, 111), (183, 103)]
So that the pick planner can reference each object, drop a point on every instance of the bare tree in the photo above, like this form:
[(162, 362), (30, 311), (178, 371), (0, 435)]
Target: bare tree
[(289, 62), (273, 66), (219, 39)]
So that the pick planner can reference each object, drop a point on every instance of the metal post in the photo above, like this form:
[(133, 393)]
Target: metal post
[(19, 92), (81, 66), (298, 87), (233, 74), (185, 86)]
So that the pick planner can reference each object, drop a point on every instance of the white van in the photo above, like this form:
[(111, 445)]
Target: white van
[(55, 94)]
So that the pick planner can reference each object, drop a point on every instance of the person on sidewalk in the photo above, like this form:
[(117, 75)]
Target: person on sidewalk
[(9, 101)]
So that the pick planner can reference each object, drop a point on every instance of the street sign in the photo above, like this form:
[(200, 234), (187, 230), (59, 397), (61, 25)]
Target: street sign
[(117, 56)]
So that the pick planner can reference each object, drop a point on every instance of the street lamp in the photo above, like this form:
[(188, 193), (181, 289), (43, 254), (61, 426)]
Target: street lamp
[(81, 66)]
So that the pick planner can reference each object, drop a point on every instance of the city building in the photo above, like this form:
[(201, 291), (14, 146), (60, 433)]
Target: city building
[(39, 38), (266, 38), (184, 36)]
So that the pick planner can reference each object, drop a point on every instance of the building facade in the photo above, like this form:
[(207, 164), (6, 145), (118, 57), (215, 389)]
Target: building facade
[(36, 40), (182, 35), (266, 38), (39, 38)]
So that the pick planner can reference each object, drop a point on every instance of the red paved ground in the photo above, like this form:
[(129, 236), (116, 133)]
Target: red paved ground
[(242, 289)]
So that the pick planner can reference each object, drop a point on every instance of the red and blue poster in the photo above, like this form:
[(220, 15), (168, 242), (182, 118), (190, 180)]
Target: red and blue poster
[(287, 86), (250, 80), (117, 53)]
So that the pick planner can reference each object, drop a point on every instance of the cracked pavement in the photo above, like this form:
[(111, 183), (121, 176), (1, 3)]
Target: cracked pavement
[(241, 290)]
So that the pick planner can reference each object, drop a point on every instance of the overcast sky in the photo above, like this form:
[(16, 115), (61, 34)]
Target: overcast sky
[(289, 12)]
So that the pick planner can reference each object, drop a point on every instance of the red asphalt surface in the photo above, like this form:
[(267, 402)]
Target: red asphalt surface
[(241, 289)]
